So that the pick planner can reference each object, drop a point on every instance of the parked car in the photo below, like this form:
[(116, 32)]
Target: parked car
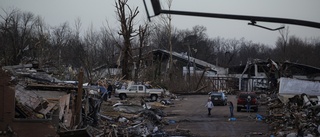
[(218, 98), (139, 91), (242, 101)]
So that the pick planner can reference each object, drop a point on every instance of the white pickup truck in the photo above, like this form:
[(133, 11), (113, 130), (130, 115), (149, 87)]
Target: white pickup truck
[(139, 91)]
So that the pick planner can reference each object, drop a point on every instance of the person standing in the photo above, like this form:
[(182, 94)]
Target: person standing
[(248, 103), (231, 108), (209, 105), (110, 88), (103, 92)]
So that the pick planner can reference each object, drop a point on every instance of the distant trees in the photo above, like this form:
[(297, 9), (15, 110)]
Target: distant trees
[(16, 31), (60, 38), (300, 51), (25, 37), (282, 42)]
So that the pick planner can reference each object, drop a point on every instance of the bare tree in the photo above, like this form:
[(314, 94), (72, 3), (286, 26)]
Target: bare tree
[(166, 20), (126, 19), (143, 35), (282, 41), (59, 39), (45, 53), (6, 33), (91, 46), (108, 51), (72, 51), (250, 50), (16, 29)]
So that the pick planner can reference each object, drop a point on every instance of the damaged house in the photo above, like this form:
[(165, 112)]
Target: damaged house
[(190, 66), (255, 75), (185, 65), (196, 66), (263, 75), (36, 104), (22, 113)]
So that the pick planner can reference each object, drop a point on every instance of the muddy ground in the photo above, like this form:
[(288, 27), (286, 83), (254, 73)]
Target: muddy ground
[(189, 114)]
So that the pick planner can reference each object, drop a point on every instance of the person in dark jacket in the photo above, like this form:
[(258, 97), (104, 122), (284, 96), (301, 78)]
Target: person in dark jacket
[(231, 108), (248, 104), (103, 92), (110, 89)]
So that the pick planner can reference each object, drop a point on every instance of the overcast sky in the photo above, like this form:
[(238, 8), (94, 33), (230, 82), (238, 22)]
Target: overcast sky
[(96, 12)]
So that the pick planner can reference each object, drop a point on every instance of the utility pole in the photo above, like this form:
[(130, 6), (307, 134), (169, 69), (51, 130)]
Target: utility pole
[(79, 97), (189, 40), (189, 75)]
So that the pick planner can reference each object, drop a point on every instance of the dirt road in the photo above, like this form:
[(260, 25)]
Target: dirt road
[(190, 114)]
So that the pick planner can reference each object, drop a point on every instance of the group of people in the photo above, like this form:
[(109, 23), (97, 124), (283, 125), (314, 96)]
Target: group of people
[(105, 92), (210, 105)]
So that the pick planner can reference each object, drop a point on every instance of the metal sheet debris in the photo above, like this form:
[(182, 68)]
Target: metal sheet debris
[(296, 86)]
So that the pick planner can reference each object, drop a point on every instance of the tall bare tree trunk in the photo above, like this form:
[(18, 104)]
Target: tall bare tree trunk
[(143, 34), (125, 60), (127, 32)]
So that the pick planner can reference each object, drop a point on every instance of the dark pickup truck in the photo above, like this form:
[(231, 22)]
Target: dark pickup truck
[(242, 101)]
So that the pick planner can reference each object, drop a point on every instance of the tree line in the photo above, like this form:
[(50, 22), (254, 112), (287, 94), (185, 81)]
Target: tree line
[(25, 37)]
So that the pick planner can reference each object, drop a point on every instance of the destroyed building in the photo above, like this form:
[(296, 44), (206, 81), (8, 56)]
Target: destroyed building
[(263, 75), (17, 119), (182, 60), (255, 75), (37, 104)]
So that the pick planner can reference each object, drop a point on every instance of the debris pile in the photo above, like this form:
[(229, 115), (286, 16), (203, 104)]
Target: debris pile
[(298, 115), (75, 110), (128, 118), (30, 106)]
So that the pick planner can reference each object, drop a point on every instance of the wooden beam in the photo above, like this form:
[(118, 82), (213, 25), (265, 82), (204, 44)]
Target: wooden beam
[(79, 97)]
